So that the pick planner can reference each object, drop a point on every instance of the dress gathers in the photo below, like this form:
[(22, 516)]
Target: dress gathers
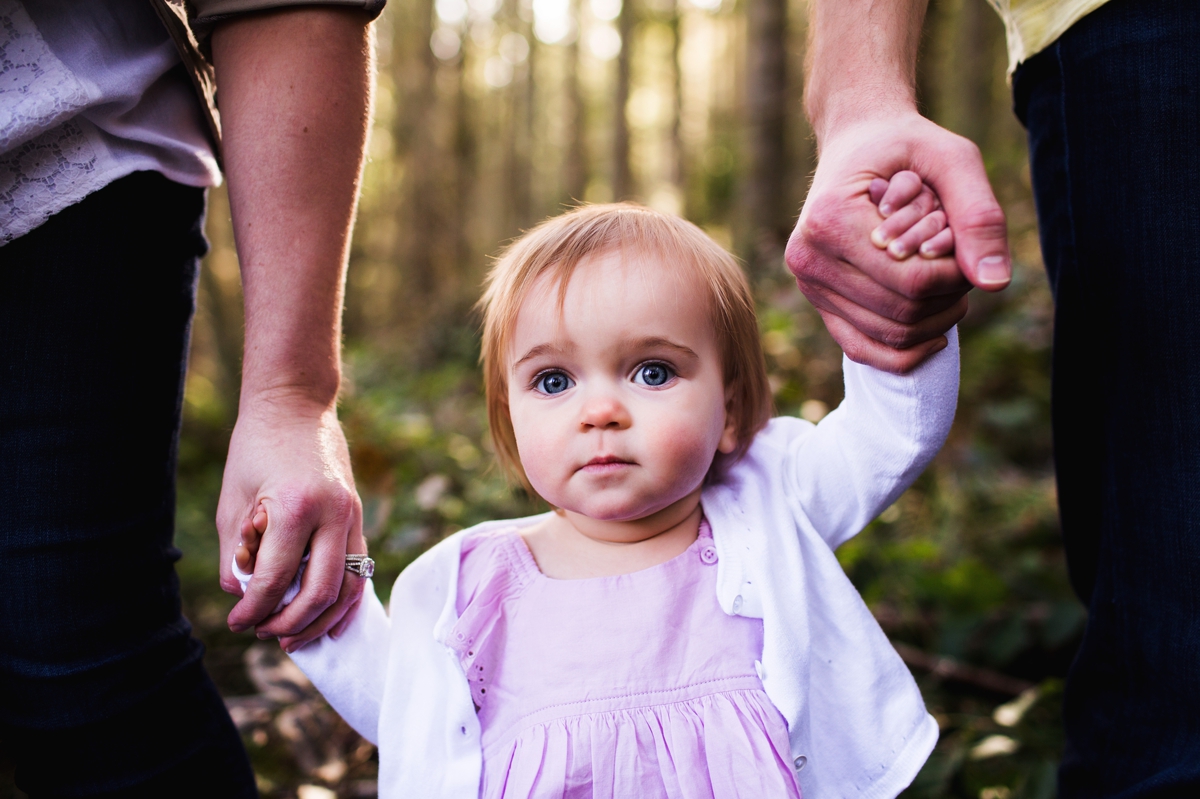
[(612, 687)]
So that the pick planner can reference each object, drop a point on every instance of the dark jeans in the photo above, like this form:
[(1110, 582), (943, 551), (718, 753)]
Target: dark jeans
[(1113, 113), (102, 691)]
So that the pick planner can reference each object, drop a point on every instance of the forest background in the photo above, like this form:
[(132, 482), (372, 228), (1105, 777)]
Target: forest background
[(494, 114)]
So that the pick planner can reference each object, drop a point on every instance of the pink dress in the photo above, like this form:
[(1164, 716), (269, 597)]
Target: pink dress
[(631, 686)]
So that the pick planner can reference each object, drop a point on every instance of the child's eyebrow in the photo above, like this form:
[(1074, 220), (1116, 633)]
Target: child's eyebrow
[(537, 352), (645, 343), (656, 342)]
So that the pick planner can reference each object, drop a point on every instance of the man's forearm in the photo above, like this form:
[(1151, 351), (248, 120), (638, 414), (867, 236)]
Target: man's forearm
[(861, 60), (295, 94), (861, 100)]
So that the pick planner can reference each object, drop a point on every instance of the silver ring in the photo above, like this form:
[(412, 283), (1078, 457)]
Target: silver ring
[(361, 565)]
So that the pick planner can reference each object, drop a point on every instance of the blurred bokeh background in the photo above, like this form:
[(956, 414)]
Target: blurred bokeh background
[(493, 114)]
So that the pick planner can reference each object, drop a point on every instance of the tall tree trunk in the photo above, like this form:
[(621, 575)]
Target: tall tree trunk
[(427, 217), (677, 164), (976, 59), (622, 174), (765, 195), (221, 297), (517, 168), (575, 166), (466, 162), (414, 72)]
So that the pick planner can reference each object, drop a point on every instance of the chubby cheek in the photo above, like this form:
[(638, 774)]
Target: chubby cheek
[(686, 452), (537, 446)]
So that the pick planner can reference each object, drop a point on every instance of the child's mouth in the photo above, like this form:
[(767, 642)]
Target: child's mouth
[(602, 464)]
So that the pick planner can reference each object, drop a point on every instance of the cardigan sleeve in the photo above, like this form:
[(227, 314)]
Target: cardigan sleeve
[(349, 670), (864, 454)]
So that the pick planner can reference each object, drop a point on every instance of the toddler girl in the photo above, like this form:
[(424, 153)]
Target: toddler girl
[(678, 626)]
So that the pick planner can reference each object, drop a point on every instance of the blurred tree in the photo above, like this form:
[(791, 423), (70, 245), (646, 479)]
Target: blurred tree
[(576, 171), (622, 173), (766, 209)]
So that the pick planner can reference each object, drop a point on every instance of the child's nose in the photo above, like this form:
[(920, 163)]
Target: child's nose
[(605, 412)]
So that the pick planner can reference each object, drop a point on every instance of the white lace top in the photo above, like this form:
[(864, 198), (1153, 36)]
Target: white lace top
[(90, 92)]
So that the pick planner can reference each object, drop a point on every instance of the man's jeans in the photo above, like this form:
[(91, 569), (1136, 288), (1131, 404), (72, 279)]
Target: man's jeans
[(102, 691), (1113, 113)]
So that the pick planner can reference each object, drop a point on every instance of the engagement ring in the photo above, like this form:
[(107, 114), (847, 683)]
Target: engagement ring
[(361, 565)]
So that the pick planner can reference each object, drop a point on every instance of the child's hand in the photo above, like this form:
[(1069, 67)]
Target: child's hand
[(913, 218), (252, 533)]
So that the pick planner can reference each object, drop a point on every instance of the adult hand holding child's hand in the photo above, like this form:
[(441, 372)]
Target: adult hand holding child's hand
[(295, 462), (861, 98), (885, 307)]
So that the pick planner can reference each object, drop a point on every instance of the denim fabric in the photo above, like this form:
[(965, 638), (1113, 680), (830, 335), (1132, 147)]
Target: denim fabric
[(1113, 114), (101, 685)]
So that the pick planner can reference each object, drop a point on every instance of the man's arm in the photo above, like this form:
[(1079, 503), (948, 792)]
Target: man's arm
[(295, 93), (861, 100)]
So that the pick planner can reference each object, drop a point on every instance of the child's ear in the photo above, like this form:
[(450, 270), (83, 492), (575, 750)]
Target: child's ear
[(728, 442)]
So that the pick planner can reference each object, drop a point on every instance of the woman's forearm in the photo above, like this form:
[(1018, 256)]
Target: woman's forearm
[(295, 93)]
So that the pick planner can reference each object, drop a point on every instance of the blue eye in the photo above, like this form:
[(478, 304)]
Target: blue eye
[(653, 374), (553, 382)]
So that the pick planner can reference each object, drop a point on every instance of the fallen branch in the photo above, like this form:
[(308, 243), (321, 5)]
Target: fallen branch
[(950, 669)]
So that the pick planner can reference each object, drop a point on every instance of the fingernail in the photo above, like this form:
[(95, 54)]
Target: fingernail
[(879, 238), (898, 249), (885, 209), (993, 270), (238, 628), (262, 636), (927, 249)]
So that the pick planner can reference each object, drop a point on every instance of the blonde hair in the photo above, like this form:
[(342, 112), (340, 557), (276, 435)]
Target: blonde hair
[(559, 244)]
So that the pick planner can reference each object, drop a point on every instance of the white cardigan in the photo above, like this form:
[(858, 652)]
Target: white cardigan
[(856, 720)]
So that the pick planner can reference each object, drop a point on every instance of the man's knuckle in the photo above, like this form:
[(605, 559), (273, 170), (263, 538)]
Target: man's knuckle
[(906, 312), (963, 149), (897, 334), (821, 222), (914, 282), (796, 256), (985, 218), (905, 362), (959, 311), (853, 350)]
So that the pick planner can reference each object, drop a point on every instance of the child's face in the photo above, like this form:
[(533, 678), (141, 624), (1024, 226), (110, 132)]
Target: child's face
[(618, 403)]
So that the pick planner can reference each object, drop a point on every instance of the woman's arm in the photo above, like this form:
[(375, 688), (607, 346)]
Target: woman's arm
[(295, 93)]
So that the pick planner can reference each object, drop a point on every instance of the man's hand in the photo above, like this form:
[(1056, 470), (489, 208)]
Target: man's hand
[(887, 313), (861, 101)]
